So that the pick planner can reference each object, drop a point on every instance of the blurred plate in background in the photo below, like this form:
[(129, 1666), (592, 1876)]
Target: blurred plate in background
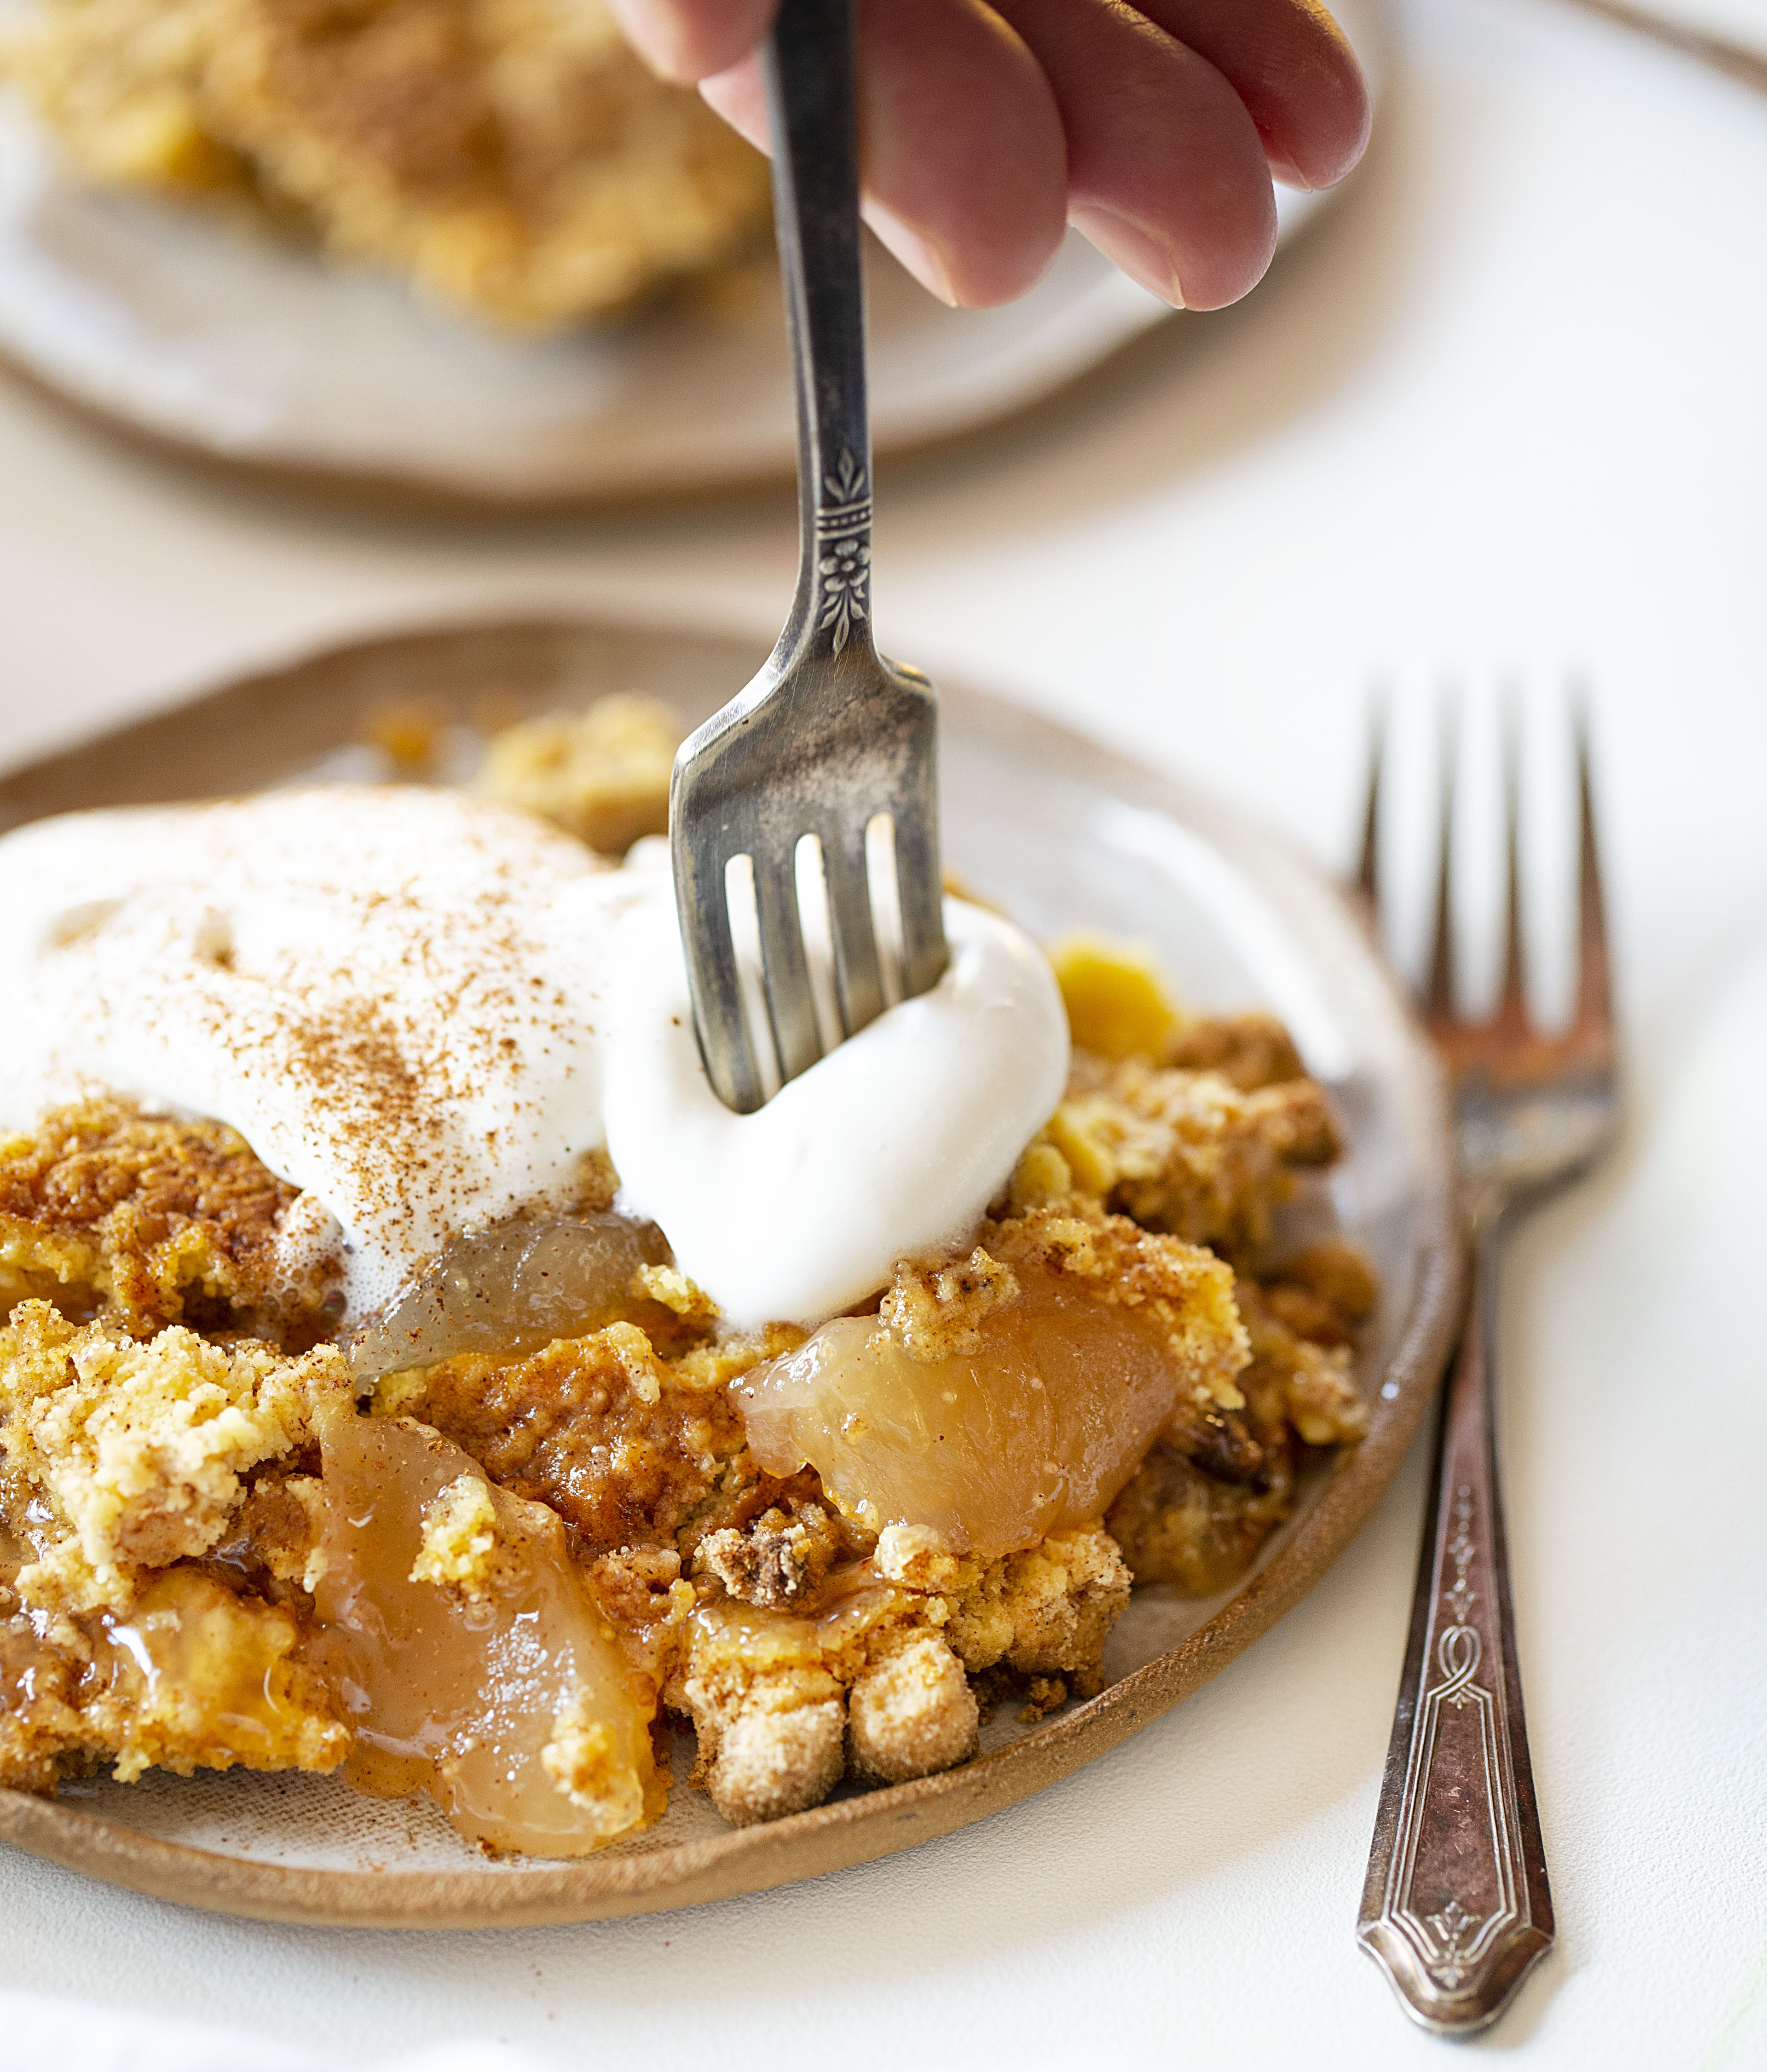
[(198, 335)]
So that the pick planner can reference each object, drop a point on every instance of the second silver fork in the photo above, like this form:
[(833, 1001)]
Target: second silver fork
[(1457, 1909)]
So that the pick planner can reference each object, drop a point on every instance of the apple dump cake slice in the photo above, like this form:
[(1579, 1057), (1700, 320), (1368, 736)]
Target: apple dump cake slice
[(511, 157), (605, 1460)]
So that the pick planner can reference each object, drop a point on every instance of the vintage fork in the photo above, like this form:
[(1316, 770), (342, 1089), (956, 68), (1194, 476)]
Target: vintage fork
[(829, 740), (1457, 1909)]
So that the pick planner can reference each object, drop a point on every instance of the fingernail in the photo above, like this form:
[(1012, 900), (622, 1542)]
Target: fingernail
[(1137, 252), (652, 30), (1283, 168), (921, 257)]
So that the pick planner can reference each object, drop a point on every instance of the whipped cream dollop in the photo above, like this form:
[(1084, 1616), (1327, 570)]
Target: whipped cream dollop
[(425, 1010)]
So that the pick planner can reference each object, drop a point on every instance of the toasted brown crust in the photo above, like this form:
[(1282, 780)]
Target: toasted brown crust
[(1249, 1050), (152, 1222), (629, 1450)]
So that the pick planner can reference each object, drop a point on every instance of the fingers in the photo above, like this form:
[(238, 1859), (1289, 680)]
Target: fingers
[(1167, 173), (1161, 120), (964, 165), (686, 40), (1288, 61)]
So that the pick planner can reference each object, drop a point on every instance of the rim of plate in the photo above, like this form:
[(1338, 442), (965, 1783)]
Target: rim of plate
[(881, 1822)]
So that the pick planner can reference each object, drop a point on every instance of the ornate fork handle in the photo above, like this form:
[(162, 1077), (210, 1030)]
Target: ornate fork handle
[(1457, 1909), (808, 62)]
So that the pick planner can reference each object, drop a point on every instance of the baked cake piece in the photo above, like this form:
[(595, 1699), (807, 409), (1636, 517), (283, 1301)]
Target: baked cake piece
[(601, 773), (150, 1221), (153, 1548), (195, 1507), (511, 157)]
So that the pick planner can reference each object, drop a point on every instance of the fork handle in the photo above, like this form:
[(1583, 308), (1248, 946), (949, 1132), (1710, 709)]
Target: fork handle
[(1457, 1909), (812, 107)]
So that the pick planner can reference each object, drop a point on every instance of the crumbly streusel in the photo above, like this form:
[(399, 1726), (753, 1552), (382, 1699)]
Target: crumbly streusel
[(163, 1508)]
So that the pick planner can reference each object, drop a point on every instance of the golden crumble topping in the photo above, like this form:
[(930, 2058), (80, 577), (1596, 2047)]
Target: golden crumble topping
[(877, 1684), (1187, 1152), (137, 1452), (1176, 1288), (601, 773), (152, 1222), (1249, 1050), (458, 1549), (1296, 1377), (189, 1511), (511, 157), (912, 1713), (1214, 1486), (934, 1311)]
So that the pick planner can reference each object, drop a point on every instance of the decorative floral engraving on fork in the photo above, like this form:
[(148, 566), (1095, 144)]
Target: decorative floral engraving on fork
[(829, 740), (843, 540)]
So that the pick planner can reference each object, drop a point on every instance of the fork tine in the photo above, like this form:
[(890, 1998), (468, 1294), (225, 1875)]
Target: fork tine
[(1367, 866), (718, 1008), (920, 894), (857, 977), (1440, 998), (791, 1005), (1594, 985), (1513, 1005)]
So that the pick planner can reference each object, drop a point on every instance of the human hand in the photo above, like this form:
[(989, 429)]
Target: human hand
[(1155, 129)]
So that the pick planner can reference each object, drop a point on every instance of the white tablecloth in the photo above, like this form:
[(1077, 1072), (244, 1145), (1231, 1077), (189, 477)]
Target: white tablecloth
[(1500, 413)]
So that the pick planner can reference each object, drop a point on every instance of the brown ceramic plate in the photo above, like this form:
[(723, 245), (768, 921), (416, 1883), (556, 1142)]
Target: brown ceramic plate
[(1064, 835)]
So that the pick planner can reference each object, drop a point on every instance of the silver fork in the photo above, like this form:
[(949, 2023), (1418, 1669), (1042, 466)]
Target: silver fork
[(829, 740), (1456, 1908)]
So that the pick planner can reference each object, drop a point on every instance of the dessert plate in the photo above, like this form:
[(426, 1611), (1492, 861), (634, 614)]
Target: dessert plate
[(242, 349), (1064, 835)]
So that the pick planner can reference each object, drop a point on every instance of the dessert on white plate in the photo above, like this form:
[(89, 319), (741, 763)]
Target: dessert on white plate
[(411, 1369)]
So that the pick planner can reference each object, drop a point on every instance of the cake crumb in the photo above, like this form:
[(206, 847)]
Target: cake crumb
[(582, 1762), (142, 1448), (934, 1312), (601, 773), (913, 1714), (459, 1550)]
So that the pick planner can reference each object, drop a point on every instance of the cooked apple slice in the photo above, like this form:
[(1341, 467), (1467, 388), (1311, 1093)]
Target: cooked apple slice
[(1033, 1430), (511, 1290), (467, 1655)]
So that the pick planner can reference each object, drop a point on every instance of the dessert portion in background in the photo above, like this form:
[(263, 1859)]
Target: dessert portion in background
[(602, 774), (511, 158), (593, 1471)]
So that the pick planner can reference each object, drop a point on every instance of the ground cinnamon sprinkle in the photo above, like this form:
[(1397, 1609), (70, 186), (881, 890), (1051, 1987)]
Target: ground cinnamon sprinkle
[(367, 981)]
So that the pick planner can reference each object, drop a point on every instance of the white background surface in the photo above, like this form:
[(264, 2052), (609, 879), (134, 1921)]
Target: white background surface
[(1501, 413)]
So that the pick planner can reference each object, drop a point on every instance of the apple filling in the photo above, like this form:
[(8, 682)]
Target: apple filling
[(468, 1657), (1030, 1425)]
